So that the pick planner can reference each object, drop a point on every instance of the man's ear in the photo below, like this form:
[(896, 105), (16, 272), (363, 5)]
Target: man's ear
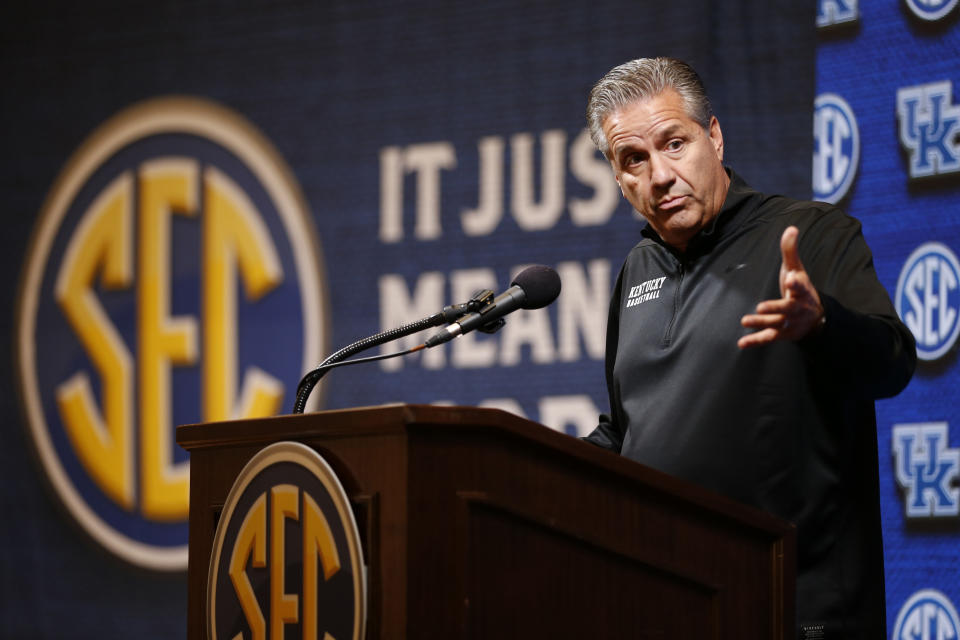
[(716, 137)]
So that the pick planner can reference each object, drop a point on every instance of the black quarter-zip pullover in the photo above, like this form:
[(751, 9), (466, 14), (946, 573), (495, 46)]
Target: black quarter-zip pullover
[(787, 427)]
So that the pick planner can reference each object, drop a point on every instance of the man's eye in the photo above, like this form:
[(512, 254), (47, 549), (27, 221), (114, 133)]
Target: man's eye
[(674, 145), (633, 159)]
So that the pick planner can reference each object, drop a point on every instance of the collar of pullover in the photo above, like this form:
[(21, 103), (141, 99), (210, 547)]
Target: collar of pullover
[(727, 219)]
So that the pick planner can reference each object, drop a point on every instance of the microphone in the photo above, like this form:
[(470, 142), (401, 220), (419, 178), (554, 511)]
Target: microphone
[(534, 287)]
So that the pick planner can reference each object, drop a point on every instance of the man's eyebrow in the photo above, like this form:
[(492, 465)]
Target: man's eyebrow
[(670, 130), (623, 149)]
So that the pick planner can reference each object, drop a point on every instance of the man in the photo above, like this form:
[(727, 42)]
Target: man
[(748, 337)]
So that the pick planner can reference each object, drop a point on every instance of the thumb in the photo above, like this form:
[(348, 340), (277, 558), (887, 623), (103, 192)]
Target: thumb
[(788, 249)]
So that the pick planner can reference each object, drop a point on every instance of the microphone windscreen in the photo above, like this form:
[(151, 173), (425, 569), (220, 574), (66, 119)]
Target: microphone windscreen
[(540, 284)]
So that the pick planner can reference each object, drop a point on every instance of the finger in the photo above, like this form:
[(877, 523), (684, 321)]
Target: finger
[(766, 336), (780, 305), (788, 249), (764, 321)]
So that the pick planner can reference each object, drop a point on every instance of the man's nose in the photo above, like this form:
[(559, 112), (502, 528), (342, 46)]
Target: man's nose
[(661, 171)]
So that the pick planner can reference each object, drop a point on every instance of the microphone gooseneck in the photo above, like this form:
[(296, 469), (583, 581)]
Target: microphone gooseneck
[(533, 288), (310, 380)]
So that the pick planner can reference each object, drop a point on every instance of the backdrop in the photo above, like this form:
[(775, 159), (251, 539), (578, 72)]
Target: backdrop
[(203, 201), (886, 149)]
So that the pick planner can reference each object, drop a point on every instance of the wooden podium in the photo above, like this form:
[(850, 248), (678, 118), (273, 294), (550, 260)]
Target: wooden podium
[(476, 523)]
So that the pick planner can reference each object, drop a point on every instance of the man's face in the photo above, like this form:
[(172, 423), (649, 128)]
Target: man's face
[(668, 167)]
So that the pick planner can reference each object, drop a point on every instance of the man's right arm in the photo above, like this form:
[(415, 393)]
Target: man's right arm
[(609, 431), (606, 435)]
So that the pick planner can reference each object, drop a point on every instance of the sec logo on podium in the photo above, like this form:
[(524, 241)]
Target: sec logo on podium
[(174, 277), (286, 555)]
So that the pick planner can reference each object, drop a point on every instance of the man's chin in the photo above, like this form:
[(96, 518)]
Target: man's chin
[(679, 231)]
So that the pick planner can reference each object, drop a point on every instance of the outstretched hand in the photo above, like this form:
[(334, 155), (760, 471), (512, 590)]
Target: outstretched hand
[(797, 313)]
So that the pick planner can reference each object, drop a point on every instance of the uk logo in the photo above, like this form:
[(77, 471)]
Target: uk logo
[(173, 278), (927, 615), (834, 12), (928, 299), (929, 126), (931, 10), (927, 469), (836, 148)]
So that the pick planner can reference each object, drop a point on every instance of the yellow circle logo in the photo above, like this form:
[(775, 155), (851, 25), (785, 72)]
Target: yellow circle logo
[(173, 278), (286, 555)]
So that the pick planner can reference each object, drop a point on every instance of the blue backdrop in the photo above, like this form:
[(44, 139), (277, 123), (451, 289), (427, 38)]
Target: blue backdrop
[(887, 150)]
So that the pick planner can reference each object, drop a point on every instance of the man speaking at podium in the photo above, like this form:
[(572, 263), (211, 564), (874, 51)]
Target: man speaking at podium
[(748, 337)]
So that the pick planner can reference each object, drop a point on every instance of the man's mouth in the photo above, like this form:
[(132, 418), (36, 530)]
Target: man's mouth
[(671, 203)]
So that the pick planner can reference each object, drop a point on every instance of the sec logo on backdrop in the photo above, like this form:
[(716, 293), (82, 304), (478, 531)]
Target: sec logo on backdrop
[(931, 10), (174, 277), (836, 148), (928, 299), (927, 615)]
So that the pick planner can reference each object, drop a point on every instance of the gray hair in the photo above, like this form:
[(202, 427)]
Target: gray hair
[(640, 80)]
